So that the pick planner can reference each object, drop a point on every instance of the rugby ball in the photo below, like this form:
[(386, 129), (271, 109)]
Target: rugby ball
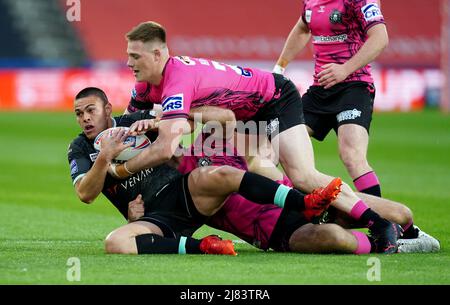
[(139, 143)]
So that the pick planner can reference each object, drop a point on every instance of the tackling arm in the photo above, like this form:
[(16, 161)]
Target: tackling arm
[(161, 151)]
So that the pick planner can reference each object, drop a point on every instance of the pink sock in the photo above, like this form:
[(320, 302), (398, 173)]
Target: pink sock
[(366, 181), (358, 209), (364, 245)]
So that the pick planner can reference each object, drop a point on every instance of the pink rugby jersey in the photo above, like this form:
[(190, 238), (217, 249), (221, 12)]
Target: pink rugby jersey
[(339, 29), (192, 82)]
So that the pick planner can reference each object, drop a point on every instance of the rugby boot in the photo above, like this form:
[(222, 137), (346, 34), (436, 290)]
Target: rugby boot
[(423, 243), (213, 244), (320, 199), (385, 235)]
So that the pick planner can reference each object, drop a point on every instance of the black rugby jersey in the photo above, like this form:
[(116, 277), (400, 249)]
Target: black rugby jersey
[(148, 182)]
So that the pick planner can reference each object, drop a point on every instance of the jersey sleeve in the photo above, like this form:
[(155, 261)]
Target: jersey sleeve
[(177, 95), (140, 98), (368, 13), (79, 161)]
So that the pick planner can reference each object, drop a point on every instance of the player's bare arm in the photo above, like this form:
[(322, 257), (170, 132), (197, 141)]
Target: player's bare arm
[(296, 41), (90, 186), (377, 40), (161, 151)]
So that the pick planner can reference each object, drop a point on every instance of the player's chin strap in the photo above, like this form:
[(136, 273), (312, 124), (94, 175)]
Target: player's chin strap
[(119, 171)]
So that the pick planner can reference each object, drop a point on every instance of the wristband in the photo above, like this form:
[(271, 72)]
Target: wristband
[(278, 69)]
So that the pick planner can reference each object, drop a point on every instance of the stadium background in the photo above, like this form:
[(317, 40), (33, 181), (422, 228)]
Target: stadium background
[(47, 55)]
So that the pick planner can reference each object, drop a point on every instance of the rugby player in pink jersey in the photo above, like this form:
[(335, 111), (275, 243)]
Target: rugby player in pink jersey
[(182, 83), (346, 35)]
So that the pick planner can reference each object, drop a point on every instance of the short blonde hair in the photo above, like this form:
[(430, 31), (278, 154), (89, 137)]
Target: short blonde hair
[(147, 32)]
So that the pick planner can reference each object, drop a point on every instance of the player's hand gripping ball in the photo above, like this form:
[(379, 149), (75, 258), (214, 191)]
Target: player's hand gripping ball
[(139, 143)]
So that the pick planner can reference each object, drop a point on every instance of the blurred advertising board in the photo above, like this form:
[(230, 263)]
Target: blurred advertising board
[(54, 89)]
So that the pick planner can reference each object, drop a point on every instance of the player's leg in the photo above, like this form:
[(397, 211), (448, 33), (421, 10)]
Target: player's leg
[(354, 115), (293, 233), (143, 237), (209, 186), (297, 158)]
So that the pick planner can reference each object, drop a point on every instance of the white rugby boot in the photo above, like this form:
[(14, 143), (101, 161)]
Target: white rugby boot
[(424, 243)]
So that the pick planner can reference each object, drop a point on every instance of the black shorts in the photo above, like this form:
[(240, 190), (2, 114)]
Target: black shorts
[(284, 110), (344, 103), (288, 222), (173, 210)]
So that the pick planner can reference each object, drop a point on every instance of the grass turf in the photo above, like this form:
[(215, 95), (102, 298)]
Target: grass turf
[(43, 224)]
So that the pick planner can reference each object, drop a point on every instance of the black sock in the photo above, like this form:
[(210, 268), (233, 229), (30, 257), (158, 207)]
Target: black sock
[(410, 233), (369, 218), (262, 190), (156, 244), (374, 190)]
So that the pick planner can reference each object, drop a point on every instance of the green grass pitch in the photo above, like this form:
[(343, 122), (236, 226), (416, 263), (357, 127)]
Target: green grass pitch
[(43, 224)]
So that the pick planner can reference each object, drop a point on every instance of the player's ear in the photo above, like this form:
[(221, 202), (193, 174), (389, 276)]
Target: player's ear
[(108, 109)]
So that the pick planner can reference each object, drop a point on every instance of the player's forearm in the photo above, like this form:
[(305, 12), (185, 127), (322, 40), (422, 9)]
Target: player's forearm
[(91, 185), (296, 41), (371, 49), (156, 154)]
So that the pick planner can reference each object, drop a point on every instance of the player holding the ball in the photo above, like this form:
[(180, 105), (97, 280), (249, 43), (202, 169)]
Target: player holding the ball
[(175, 204)]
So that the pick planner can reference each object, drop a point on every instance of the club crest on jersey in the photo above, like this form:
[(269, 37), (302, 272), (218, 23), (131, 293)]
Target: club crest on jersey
[(173, 103), (336, 16), (371, 12)]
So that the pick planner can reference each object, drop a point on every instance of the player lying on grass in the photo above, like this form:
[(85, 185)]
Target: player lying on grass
[(285, 230), (175, 204)]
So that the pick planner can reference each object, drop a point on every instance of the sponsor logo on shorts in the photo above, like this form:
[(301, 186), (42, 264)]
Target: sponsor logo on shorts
[(348, 115), (73, 167), (328, 39), (173, 103), (273, 126), (371, 12)]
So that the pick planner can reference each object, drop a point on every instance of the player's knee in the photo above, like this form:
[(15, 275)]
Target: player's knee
[(225, 174), (119, 243), (404, 215)]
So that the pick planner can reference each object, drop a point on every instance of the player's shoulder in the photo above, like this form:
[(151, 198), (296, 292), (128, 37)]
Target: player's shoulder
[(141, 91), (360, 3), (79, 144)]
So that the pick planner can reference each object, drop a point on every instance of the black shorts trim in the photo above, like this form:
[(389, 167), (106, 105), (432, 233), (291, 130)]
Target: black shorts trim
[(287, 224), (344, 103), (284, 111)]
